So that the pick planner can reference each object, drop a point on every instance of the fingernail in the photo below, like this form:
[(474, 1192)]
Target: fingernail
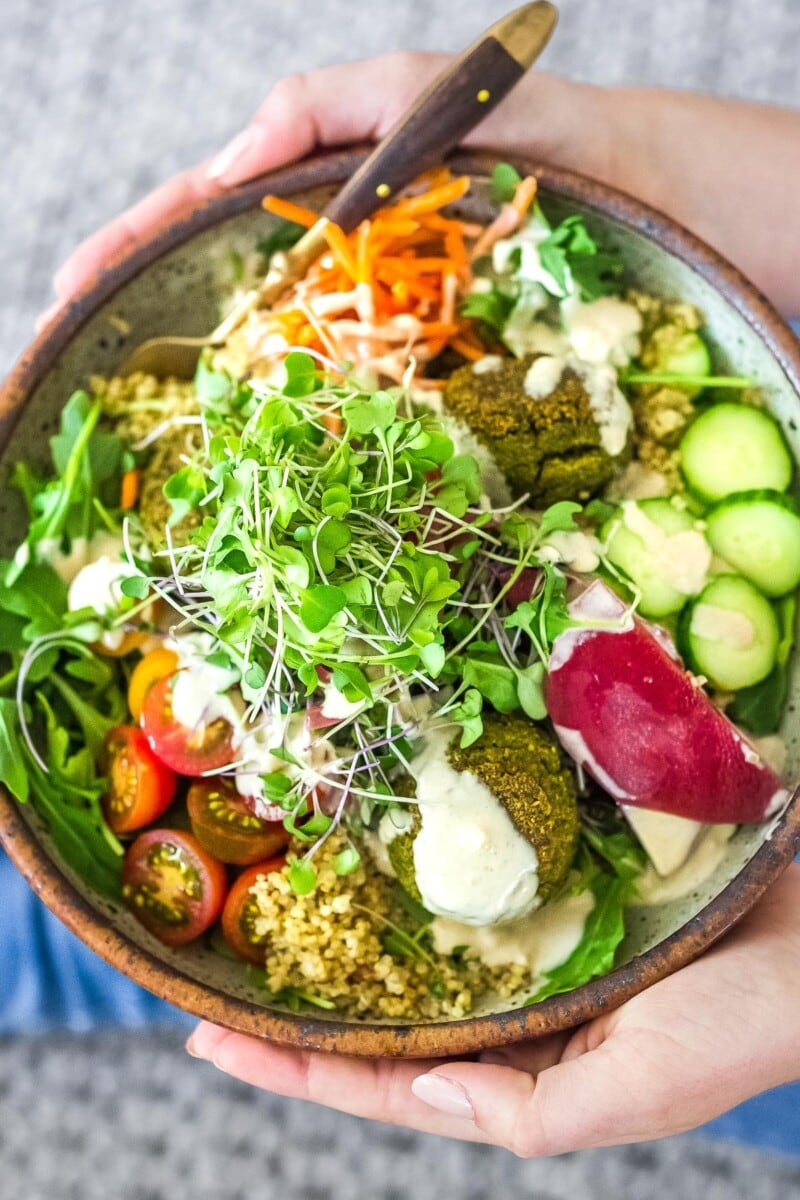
[(47, 316), (445, 1094), (204, 1041), (224, 162)]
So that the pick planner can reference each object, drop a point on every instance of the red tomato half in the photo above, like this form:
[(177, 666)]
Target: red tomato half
[(140, 786), (224, 824), (187, 751), (241, 910), (172, 885)]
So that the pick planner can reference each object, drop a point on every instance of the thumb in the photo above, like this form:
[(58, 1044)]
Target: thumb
[(600, 1097), (350, 102)]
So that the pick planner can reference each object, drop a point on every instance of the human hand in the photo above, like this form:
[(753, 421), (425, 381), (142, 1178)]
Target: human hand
[(721, 1030), (344, 104), (672, 149)]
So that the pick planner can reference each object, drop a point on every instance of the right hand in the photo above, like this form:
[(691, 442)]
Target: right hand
[(356, 102), (672, 149)]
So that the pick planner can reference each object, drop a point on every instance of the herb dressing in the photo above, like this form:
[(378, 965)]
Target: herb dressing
[(470, 862)]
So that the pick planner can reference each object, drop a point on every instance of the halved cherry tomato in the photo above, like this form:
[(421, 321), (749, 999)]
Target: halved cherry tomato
[(149, 670), (241, 911), (187, 751), (172, 885), (223, 823), (140, 786)]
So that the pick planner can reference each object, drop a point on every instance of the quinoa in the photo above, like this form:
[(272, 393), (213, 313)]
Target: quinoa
[(330, 944), (139, 402)]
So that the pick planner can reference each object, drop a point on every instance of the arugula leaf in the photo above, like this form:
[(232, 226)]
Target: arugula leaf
[(602, 934), (86, 458), (12, 759), (570, 253), (38, 594)]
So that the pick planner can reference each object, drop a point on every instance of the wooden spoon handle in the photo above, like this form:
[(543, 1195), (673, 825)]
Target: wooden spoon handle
[(455, 103)]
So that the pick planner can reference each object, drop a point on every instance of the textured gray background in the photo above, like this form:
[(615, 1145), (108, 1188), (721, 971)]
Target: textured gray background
[(100, 100)]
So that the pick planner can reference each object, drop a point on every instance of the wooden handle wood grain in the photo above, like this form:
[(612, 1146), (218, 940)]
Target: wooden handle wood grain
[(454, 104)]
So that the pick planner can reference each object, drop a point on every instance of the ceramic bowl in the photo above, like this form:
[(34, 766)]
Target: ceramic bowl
[(172, 284)]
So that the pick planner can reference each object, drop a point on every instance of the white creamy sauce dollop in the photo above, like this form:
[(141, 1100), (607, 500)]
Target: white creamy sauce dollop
[(603, 331), (715, 624), (470, 862), (82, 551), (652, 888), (97, 586), (541, 940), (684, 558), (577, 550)]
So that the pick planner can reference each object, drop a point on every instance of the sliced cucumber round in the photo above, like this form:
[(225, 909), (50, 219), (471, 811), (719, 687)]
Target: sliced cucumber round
[(673, 351), (758, 534), (641, 540), (734, 448), (730, 633)]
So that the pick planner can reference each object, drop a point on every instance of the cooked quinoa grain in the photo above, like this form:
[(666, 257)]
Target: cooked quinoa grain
[(330, 944)]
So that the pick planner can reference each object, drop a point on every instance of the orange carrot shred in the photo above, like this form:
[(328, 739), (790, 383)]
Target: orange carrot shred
[(340, 248), (289, 211), (129, 490), (524, 195)]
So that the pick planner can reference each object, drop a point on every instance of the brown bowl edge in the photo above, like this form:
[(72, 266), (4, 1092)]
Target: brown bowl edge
[(372, 1039)]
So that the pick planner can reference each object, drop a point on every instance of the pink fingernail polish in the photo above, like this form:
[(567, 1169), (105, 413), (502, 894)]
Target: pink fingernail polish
[(224, 162), (445, 1094)]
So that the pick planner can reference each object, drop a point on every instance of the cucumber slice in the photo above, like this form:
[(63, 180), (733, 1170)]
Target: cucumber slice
[(660, 550), (734, 448), (758, 533), (730, 633), (676, 352)]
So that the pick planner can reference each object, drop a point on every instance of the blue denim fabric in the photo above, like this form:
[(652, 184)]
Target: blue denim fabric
[(50, 980)]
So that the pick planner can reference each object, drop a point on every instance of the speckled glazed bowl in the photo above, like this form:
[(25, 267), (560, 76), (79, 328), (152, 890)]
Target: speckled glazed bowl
[(172, 285)]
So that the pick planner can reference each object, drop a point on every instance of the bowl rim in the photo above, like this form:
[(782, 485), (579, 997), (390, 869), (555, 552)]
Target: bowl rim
[(473, 1033)]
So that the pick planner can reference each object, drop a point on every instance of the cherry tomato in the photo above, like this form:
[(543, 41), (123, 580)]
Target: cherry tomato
[(241, 910), (172, 885), (225, 826), (187, 751), (140, 786), (149, 670)]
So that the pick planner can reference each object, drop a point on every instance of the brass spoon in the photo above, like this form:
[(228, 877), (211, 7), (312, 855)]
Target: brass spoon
[(447, 110)]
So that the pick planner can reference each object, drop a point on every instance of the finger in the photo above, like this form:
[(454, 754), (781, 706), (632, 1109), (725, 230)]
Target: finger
[(379, 1089), (350, 102), (169, 200), (582, 1102)]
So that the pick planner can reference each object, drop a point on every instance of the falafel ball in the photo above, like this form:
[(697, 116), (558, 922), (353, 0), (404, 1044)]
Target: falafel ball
[(548, 447), (521, 766)]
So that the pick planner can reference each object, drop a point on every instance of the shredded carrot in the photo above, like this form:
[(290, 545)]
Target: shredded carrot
[(340, 249), (289, 211), (129, 490), (465, 348), (392, 287), (436, 198), (525, 195)]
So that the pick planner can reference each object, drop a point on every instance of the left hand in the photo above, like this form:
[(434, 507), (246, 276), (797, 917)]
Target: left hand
[(721, 1030)]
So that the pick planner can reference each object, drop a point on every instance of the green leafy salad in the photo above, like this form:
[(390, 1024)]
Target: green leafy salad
[(315, 658)]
